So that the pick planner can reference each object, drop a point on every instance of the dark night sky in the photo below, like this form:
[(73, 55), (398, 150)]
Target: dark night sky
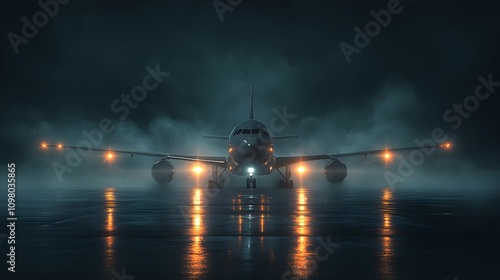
[(396, 90)]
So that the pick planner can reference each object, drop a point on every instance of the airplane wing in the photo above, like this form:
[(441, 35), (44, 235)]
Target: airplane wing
[(218, 161), (284, 161)]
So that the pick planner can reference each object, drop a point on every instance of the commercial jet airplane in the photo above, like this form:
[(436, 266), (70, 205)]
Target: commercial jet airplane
[(250, 154)]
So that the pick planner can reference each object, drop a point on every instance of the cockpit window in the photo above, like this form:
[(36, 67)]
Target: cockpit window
[(237, 132), (250, 131)]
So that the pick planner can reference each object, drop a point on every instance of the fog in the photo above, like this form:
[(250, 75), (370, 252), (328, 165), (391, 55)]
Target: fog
[(395, 91)]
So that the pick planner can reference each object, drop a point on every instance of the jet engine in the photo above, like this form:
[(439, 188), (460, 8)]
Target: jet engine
[(162, 171), (335, 171)]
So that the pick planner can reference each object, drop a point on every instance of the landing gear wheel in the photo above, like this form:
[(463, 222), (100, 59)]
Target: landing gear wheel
[(286, 185), (248, 183), (254, 183), (281, 183)]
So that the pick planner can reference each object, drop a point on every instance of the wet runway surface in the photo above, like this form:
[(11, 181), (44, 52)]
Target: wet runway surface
[(266, 233)]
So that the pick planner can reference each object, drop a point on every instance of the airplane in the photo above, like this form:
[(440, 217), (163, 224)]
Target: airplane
[(251, 154)]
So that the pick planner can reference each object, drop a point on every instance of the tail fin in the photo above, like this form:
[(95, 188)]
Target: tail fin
[(251, 103)]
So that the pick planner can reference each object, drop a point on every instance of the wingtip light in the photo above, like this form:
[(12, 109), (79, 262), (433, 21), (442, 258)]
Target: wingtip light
[(446, 146)]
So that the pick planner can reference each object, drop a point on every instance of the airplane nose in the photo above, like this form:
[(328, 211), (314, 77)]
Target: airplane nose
[(246, 147), (252, 143)]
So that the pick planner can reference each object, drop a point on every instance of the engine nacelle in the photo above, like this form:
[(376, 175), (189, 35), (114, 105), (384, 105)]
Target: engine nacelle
[(335, 171), (162, 171)]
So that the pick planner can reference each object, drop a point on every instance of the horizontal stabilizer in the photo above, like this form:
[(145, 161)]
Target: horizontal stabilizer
[(286, 137), (215, 136)]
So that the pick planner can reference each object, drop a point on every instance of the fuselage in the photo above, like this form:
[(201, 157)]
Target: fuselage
[(250, 149)]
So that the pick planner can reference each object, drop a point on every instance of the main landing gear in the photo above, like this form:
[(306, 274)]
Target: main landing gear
[(286, 183), (217, 181), (251, 183)]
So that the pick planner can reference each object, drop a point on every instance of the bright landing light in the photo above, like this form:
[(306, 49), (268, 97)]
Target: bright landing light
[(387, 156), (251, 170), (110, 156), (197, 169), (301, 169)]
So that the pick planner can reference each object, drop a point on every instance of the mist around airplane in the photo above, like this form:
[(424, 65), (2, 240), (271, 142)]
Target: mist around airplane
[(251, 153)]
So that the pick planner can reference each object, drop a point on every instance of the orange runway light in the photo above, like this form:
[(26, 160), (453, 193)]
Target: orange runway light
[(43, 145), (59, 146)]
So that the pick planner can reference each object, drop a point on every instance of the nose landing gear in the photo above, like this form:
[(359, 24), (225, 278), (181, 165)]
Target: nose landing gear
[(251, 183)]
